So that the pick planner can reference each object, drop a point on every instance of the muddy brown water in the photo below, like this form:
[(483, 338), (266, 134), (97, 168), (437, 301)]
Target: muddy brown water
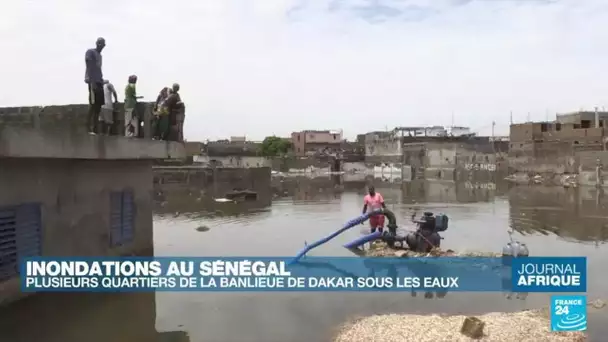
[(551, 221)]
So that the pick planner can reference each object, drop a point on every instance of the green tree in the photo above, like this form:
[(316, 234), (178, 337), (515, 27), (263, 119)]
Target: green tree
[(275, 146)]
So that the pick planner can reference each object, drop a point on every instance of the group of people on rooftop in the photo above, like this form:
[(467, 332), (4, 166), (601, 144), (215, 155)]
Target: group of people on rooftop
[(168, 120)]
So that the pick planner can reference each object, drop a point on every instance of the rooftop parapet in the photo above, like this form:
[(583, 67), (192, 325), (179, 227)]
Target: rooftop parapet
[(61, 132)]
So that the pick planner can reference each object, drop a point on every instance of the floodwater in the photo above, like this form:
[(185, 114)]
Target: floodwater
[(551, 221)]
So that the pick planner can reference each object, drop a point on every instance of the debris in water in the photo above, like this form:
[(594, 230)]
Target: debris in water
[(598, 304), (202, 229)]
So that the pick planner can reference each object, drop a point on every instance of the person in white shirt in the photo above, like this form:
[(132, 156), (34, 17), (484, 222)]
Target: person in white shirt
[(107, 109)]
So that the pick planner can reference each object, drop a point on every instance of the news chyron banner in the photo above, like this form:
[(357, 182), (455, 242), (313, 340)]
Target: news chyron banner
[(440, 274)]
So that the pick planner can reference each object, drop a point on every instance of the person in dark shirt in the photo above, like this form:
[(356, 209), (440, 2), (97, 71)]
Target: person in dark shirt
[(175, 107), (94, 79), (132, 118), (161, 115)]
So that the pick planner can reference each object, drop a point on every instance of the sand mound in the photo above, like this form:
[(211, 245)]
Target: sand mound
[(526, 326), (381, 249)]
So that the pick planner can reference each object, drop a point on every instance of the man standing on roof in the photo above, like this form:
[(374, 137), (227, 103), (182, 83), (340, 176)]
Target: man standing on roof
[(93, 77), (131, 116), (106, 117), (175, 106), (372, 201)]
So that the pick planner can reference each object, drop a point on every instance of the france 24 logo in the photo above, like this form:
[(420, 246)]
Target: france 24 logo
[(568, 313)]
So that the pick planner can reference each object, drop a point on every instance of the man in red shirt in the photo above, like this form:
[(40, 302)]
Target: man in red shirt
[(374, 200)]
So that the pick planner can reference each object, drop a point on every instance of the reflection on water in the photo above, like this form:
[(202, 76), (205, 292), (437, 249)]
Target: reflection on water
[(551, 221), (190, 204), (85, 317), (573, 214)]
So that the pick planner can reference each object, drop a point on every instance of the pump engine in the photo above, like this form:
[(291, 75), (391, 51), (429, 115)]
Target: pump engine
[(427, 235)]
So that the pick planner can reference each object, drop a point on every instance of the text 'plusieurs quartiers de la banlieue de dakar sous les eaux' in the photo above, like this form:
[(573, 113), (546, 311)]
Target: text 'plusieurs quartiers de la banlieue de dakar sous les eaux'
[(219, 273)]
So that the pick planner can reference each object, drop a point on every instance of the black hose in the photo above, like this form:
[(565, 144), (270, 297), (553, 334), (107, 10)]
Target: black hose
[(392, 221)]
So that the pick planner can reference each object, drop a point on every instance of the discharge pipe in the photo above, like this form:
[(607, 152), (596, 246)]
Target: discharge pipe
[(347, 226), (363, 240), (392, 227), (389, 237)]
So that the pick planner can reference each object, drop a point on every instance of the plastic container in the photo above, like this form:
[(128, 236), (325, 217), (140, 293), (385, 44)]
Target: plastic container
[(507, 254), (515, 246), (523, 250)]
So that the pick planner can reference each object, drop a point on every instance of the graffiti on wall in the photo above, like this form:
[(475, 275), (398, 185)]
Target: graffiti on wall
[(487, 186), (480, 167)]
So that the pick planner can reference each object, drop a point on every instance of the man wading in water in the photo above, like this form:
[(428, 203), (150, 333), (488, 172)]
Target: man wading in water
[(374, 201)]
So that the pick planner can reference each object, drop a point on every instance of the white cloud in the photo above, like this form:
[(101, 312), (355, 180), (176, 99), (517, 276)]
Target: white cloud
[(273, 66)]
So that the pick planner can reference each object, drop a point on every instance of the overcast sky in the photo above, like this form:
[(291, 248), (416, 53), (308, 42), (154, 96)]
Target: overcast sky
[(264, 67)]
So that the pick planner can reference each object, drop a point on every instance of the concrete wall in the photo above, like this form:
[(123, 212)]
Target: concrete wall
[(383, 148), (448, 158), (300, 164), (226, 148), (215, 183), (234, 161), (353, 167), (193, 148), (67, 179), (18, 142), (75, 203)]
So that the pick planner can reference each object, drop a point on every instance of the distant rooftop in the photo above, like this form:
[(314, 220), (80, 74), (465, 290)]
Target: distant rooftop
[(330, 131)]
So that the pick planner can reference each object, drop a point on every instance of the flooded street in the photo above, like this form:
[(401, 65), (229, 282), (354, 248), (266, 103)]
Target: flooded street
[(551, 221)]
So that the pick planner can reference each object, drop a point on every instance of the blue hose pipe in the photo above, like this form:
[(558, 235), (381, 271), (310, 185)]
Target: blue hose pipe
[(346, 227), (363, 240)]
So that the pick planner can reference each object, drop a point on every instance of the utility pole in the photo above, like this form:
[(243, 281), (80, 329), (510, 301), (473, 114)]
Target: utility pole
[(511, 117)]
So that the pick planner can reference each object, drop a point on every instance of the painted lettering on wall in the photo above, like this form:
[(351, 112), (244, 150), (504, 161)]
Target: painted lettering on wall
[(479, 167), (487, 186)]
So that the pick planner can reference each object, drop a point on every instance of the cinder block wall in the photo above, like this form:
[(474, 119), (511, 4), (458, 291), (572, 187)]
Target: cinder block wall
[(69, 118)]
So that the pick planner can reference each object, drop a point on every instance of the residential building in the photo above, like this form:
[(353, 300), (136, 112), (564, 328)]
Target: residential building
[(310, 142), (236, 153), (571, 143), (584, 119), (568, 133)]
